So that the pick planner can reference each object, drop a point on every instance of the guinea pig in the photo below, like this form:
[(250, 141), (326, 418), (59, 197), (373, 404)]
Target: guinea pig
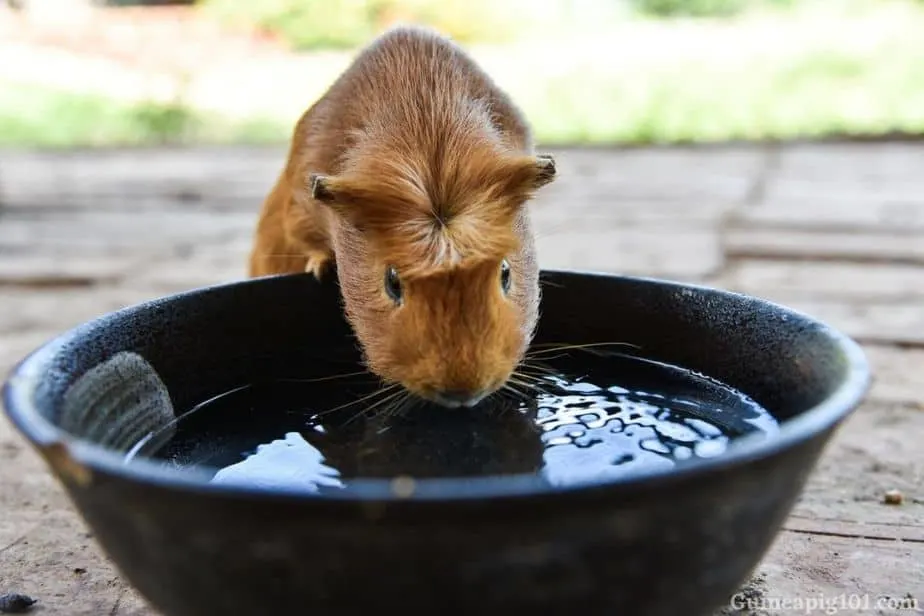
[(411, 177)]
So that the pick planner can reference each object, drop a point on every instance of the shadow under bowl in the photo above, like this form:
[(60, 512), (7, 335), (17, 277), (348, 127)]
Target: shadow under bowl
[(661, 543)]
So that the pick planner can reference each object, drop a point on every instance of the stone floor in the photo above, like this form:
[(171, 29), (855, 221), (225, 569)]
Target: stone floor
[(834, 230)]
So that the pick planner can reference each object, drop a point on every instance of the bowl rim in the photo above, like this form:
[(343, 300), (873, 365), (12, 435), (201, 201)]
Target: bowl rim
[(25, 377)]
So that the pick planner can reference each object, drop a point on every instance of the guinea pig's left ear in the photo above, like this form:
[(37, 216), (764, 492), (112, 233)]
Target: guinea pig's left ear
[(545, 170), (526, 174)]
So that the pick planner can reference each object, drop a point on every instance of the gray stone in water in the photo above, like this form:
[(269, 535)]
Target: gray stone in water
[(118, 403)]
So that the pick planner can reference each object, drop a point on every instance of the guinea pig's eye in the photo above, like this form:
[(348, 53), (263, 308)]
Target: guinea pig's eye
[(393, 285), (505, 276)]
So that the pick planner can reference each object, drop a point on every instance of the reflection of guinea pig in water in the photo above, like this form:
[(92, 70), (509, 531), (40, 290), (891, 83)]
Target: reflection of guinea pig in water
[(422, 444), (411, 175)]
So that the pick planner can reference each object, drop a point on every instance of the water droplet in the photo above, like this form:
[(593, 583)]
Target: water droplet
[(587, 441), (655, 446), (677, 432), (710, 449), (703, 427), (624, 458), (584, 387)]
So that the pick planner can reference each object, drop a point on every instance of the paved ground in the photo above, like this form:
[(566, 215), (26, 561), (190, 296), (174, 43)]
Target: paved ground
[(833, 230)]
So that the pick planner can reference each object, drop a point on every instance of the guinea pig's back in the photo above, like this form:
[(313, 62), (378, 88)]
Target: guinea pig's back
[(413, 79)]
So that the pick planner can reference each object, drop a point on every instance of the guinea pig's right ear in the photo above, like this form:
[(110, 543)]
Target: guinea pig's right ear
[(321, 189), (330, 192)]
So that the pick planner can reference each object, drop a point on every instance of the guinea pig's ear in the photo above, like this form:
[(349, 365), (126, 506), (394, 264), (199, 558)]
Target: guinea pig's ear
[(545, 170), (321, 189), (331, 192), (521, 176)]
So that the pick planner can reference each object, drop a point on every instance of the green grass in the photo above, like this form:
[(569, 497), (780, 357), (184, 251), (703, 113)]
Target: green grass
[(344, 24), (806, 83), (822, 94), (33, 116)]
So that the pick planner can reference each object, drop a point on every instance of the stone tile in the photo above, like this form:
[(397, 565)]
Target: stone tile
[(843, 187), (134, 179), (869, 455), (851, 164), (857, 282), (875, 303), (26, 269), (868, 322), (650, 251), (590, 208), (821, 243), (240, 177), (16, 345), (55, 310), (207, 265), (724, 175), (839, 570), (898, 375), (133, 234), (836, 215)]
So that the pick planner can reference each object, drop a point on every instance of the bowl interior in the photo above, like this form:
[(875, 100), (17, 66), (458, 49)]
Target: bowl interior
[(206, 342)]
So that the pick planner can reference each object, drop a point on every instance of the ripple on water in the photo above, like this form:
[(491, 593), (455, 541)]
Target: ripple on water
[(582, 427)]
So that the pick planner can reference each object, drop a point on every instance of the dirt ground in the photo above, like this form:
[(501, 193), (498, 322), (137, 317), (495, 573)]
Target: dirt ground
[(835, 230)]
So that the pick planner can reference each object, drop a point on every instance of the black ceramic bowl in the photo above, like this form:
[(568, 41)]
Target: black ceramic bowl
[(670, 543)]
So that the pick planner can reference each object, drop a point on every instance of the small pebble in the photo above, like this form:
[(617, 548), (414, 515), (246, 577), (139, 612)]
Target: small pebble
[(893, 497), (14, 603)]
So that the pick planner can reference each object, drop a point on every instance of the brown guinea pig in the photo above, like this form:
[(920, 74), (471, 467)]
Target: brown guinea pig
[(411, 175)]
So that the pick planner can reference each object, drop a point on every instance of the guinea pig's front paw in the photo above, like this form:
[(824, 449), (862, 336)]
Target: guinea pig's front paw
[(316, 264)]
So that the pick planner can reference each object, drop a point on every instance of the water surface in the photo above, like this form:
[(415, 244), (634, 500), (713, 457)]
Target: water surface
[(591, 417)]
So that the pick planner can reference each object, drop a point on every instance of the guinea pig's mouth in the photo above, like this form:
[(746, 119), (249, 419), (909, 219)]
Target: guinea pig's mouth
[(456, 398)]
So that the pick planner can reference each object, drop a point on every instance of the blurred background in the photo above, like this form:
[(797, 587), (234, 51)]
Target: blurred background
[(586, 71), (765, 146)]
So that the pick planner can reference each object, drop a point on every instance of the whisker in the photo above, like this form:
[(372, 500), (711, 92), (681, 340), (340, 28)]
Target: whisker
[(536, 379), (565, 345), (578, 347), (537, 365), (523, 384), (397, 395), (501, 401), (514, 382), (327, 378), (366, 398), (537, 387), (531, 378), (368, 410), (402, 404), (539, 375), (516, 394)]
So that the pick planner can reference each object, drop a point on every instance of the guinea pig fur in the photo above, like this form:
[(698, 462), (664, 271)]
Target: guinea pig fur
[(412, 175)]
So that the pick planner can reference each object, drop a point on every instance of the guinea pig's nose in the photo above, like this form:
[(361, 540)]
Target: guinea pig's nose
[(455, 398)]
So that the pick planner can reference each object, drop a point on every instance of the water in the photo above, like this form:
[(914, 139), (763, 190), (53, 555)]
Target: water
[(594, 418)]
